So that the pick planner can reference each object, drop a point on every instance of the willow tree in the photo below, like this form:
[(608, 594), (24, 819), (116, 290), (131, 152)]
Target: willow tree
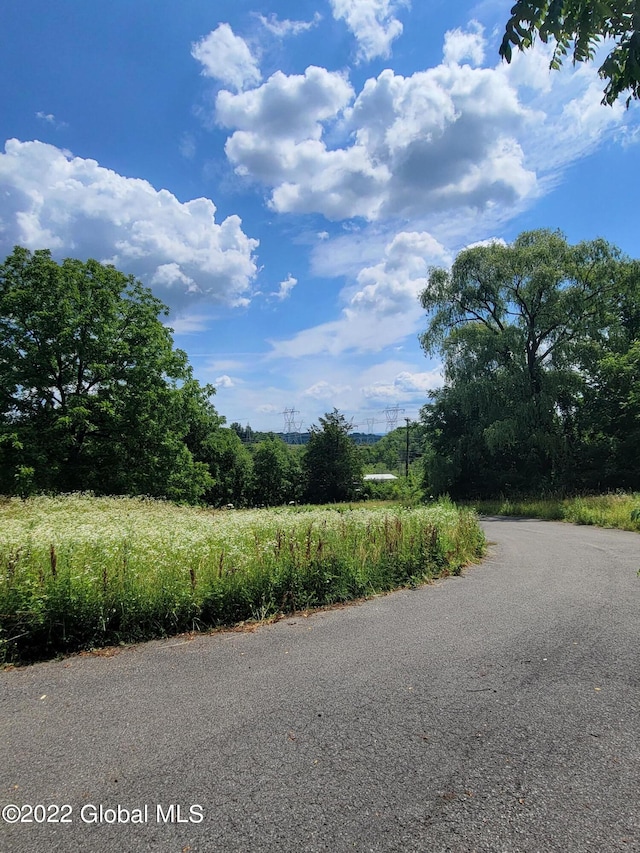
[(511, 322)]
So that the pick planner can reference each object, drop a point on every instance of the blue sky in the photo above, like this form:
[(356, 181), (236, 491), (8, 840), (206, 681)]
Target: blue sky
[(283, 175)]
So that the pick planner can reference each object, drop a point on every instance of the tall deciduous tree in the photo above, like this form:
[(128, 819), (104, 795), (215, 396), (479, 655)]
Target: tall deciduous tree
[(92, 393), (230, 465), (276, 473), (608, 421), (331, 461), (512, 323), (583, 24)]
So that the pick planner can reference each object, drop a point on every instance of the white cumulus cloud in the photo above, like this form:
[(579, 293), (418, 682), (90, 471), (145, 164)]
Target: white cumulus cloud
[(75, 207), (405, 387), (392, 286), (223, 381), (285, 107), (455, 139), (464, 44), (382, 307), (171, 275), (227, 57), (372, 22)]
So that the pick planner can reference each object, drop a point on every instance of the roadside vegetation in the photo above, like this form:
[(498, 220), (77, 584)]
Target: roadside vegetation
[(540, 349), (621, 511), (78, 571)]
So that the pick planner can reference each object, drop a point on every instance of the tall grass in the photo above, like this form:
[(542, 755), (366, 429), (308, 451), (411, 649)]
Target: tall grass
[(79, 572), (614, 510)]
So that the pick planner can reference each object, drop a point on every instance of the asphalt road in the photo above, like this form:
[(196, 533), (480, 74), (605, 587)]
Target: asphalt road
[(497, 712)]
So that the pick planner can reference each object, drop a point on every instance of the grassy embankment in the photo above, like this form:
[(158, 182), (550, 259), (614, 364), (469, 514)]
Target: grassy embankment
[(78, 572), (615, 510)]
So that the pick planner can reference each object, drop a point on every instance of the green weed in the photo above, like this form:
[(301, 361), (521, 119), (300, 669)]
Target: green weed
[(620, 511), (78, 572)]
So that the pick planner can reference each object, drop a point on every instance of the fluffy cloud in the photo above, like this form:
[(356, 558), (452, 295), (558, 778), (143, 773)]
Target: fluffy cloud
[(405, 387), (381, 309), (278, 141), (224, 381), (453, 138), (285, 287), (51, 120), (392, 287), (464, 44), (430, 142), (50, 199), (286, 27), (227, 57), (290, 108), (323, 390), (356, 385), (372, 22)]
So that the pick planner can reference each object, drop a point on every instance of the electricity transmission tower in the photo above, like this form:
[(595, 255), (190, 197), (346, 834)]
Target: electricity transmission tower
[(392, 413), (291, 428)]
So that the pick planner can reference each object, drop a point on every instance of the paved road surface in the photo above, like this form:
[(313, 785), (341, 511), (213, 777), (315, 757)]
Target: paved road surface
[(496, 712)]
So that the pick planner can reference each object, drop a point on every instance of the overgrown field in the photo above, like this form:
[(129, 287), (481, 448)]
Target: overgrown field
[(614, 510), (78, 572)]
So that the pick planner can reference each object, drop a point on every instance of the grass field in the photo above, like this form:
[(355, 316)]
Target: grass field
[(80, 572), (615, 510)]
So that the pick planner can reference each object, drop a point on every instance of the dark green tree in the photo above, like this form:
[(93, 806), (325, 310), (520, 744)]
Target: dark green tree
[(580, 26), (245, 434), (331, 461), (607, 422), (276, 473), (389, 454), (92, 393), (512, 323), (230, 465)]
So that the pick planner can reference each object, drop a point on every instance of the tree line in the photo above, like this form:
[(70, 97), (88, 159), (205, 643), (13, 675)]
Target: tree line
[(540, 343), (95, 397)]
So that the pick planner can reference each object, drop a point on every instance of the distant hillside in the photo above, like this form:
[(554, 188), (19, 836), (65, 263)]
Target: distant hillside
[(250, 436), (303, 437)]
